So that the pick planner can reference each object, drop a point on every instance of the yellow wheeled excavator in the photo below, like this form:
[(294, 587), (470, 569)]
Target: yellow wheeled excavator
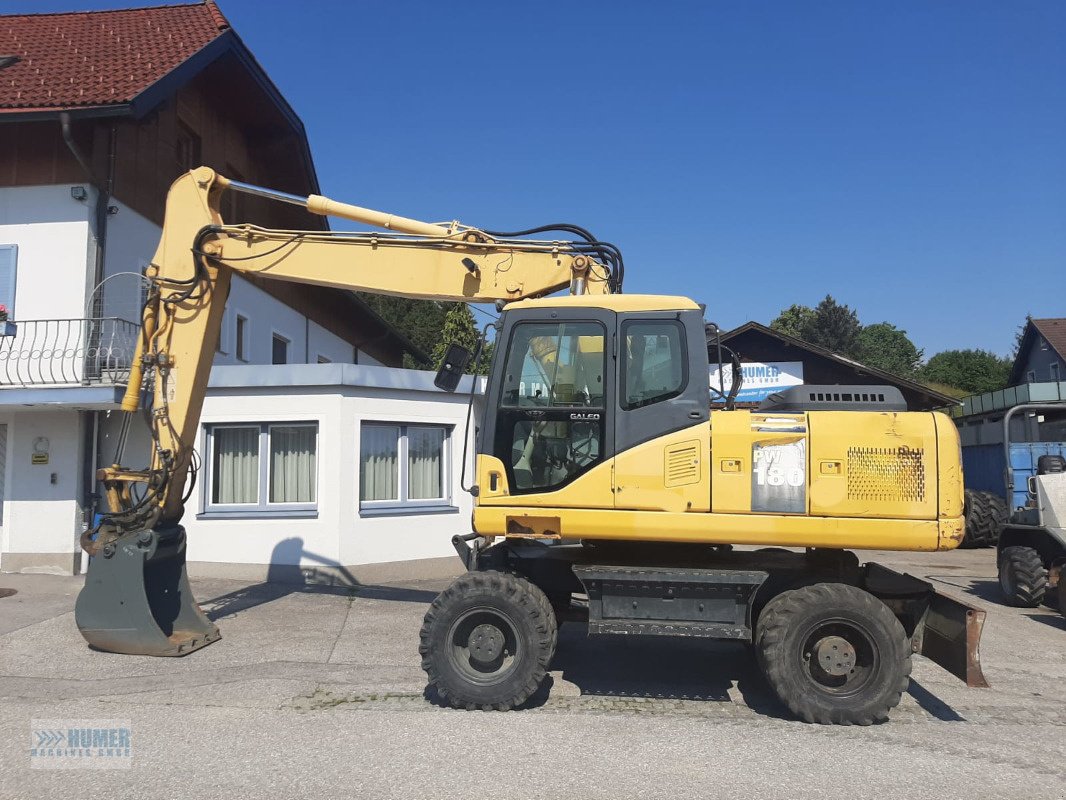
[(606, 490)]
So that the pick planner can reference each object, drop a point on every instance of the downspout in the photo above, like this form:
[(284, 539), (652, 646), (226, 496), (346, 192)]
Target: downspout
[(91, 419)]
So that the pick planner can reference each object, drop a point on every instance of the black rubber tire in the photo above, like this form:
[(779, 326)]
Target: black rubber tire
[(524, 609), (1022, 577), (782, 637), (985, 514)]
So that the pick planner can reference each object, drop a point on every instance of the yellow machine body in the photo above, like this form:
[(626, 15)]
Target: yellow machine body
[(864, 480)]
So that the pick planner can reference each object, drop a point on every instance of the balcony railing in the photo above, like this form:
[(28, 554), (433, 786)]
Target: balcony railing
[(41, 352)]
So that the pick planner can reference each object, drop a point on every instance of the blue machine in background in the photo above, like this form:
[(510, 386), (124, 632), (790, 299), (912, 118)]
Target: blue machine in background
[(984, 466)]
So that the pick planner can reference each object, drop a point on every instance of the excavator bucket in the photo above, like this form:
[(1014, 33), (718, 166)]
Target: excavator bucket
[(137, 600)]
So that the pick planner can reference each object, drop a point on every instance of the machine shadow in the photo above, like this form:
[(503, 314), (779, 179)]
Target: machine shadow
[(985, 589), (287, 575), (931, 704), (662, 668), (1052, 619), (679, 669)]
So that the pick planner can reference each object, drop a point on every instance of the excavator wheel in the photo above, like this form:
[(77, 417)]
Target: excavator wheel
[(834, 654), (487, 641)]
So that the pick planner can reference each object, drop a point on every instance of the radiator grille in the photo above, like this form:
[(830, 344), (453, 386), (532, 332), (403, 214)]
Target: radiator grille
[(682, 464), (886, 474)]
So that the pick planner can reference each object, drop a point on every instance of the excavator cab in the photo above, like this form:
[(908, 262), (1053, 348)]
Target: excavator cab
[(574, 384)]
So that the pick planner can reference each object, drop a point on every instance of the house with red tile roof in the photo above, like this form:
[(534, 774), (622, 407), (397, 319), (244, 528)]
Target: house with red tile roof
[(99, 113), (1041, 352)]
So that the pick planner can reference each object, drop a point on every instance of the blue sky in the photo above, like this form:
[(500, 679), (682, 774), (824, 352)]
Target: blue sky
[(907, 157)]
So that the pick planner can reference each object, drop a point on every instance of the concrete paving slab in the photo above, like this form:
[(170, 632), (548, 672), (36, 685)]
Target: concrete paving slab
[(314, 691)]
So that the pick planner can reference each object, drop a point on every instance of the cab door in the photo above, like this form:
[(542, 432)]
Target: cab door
[(549, 401), (662, 431)]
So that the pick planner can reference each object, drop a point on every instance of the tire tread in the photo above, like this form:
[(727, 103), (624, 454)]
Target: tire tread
[(514, 588), (783, 613)]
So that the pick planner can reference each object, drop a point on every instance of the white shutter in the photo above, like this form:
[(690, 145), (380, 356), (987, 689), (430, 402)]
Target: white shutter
[(8, 273)]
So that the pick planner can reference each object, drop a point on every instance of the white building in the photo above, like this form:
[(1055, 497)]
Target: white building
[(299, 392)]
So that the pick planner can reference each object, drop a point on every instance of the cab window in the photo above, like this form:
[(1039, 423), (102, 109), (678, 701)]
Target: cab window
[(550, 423), (653, 368), (555, 365)]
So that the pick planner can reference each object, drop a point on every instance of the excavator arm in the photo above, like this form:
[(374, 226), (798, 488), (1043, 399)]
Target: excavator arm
[(190, 278)]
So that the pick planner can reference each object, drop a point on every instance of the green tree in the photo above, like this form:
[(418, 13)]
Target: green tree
[(793, 321), (834, 326), (1018, 335), (421, 321), (830, 325), (459, 328), (973, 371), (886, 347)]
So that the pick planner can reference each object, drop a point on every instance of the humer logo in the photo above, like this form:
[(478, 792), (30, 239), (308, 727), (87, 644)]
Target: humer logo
[(80, 744)]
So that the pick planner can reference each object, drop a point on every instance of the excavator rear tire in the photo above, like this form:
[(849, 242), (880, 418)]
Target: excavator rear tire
[(1022, 576), (487, 640), (834, 654)]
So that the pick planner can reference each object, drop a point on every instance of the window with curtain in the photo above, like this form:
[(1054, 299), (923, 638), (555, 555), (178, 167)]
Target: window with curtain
[(403, 466), (263, 467), (293, 453)]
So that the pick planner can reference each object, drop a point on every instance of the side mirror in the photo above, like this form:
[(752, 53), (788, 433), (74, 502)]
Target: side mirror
[(456, 360)]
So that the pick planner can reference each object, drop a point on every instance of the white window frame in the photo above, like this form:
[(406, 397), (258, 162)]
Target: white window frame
[(403, 504), (1030, 376), (276, 334), (1054, 371), (263, 506)]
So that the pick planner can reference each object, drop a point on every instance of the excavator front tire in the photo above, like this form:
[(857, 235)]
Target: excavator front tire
[(834, 654), (487, 641)]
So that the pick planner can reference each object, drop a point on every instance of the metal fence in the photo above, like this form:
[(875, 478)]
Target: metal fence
[(40, 352)]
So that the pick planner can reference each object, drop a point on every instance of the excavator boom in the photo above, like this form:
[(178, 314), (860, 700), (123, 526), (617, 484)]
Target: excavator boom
[(190, 276)]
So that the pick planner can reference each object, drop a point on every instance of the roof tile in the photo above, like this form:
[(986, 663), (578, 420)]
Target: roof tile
[(93, 58), (1054, 331)]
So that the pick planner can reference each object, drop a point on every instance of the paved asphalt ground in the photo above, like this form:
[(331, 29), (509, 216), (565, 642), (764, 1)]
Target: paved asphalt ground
[(318, 693)]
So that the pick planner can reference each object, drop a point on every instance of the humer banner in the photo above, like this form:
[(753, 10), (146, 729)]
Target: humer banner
[(760, 380)]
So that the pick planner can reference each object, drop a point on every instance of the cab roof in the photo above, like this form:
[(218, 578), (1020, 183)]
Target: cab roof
[(610, 302)]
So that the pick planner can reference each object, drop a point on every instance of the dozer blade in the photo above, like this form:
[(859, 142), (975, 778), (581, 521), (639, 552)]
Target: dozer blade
[(137, 600), (951, 637)]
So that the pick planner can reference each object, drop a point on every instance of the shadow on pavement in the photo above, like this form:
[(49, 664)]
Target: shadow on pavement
[(661, 668), (288, 575), (985, 589), (932, 704), (1054, 620)]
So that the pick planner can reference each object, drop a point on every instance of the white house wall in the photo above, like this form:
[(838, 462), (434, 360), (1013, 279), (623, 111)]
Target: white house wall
[(54, 241), (323, 344), (339, 535), (42, 519)]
